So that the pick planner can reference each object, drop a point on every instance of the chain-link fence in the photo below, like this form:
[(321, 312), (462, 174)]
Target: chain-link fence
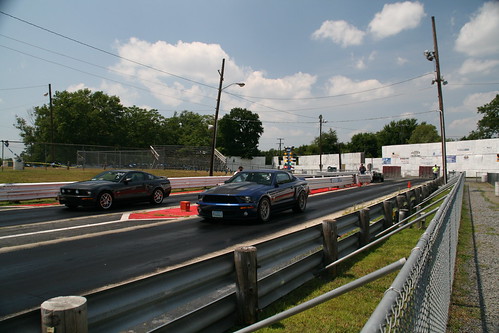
[(419, 298), (157, 157)]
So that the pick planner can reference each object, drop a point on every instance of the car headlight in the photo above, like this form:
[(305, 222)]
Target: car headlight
[(200, 198), (246, 199)]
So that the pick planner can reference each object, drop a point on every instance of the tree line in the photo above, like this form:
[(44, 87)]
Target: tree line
[(91, 118)]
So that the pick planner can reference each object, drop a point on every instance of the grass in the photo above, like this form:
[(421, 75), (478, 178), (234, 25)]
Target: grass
[(464, 310), (41, 175)]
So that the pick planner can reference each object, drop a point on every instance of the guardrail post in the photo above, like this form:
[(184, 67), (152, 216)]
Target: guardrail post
[(330, 243), (400, 205), (364, 235), (66, 314), (417, 195), (408, 196), (388, 212), (426, 191), (246, 284)]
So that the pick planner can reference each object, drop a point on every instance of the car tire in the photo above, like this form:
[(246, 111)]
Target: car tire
[(263, 210), (157, 196), (105, 200), (301, 203)]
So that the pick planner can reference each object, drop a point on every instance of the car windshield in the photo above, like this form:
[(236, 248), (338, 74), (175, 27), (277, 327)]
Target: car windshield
[(264, 178), (112, 176)]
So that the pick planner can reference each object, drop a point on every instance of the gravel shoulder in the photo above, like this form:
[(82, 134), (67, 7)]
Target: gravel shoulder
[(475, 302)]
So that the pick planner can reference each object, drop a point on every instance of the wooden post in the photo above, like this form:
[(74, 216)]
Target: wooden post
[(408, 200), (330, 242), (65, 314), (246, 284), (388, 212), (364, 219)]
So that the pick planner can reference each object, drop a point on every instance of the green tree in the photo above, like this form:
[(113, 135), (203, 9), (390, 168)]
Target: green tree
[(365, 142), (397, 132), (189, 129), (239, 133), (143, 128), (488, 126), (88, 118), (424, 133), (328, 141)]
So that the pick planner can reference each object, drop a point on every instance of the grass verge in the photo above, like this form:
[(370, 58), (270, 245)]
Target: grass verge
[(42, 175), (464, 312)]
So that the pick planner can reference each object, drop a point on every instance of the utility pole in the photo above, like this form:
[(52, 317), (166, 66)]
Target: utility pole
[(320, 143), (52, 153), (214, 140), (440, 100), (280, 151)]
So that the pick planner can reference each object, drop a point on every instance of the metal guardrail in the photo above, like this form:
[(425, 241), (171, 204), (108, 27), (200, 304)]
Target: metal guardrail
[(203, 296), (32, 191)]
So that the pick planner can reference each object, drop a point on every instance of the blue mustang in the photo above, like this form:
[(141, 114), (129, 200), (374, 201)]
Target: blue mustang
[(254, 194)]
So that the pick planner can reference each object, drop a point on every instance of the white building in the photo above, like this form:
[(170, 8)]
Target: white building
[(476, 157)]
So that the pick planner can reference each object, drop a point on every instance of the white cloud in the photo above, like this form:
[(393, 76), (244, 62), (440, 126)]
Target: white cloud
[(78, 86), (479, 37), (395, 18), (358, 90), (360, 64), (161, 67), (474, 66), (401, 61), (340, 32)]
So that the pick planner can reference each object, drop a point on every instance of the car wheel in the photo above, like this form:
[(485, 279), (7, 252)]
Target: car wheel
[(301, 203), (263, 210), (105, 200), (157, 196)]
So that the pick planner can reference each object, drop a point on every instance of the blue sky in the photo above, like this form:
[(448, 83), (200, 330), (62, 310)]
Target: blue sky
[(358, 63)]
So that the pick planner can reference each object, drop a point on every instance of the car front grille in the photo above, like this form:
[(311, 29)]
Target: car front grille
[(220, 199)]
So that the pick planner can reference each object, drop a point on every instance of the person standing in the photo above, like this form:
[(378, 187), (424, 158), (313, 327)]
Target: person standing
[(362, 169), (239, 169), (435, 170)]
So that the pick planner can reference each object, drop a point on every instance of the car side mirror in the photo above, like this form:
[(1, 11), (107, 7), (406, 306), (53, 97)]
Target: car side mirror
[(127, 180)]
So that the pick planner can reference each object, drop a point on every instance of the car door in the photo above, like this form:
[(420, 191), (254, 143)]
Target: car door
[(284, 191), (134, 186)]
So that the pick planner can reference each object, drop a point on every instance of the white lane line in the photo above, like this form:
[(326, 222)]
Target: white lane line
[(60, 229)]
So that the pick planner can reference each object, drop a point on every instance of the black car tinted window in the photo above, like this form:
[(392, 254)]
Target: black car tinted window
[(112, 176)]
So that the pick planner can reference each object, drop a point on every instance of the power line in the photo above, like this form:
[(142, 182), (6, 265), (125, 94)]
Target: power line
[(98, 66), (96, 75), (338, 95), (104, 51)]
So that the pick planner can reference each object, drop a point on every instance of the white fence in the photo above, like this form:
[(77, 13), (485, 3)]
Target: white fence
[(32, 191)]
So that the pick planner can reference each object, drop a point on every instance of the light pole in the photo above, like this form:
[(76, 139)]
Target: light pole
[(434, 56), (214, 139)]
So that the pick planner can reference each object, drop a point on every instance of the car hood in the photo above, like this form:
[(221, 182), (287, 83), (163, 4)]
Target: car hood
[(88, 184), (242, 188)]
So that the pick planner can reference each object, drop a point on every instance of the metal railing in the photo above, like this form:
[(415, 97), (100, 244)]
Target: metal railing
[(419, 298), (202, 296)]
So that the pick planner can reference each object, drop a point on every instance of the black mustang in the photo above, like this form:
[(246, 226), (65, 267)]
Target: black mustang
[(113, 186)]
